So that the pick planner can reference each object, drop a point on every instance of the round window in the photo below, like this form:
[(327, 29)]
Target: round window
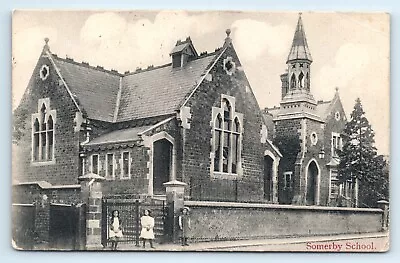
[(229, 66), (44, 72), (337, 116), (314, 138)]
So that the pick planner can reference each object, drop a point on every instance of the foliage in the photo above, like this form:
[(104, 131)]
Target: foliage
[(359, 160), (20, 116)]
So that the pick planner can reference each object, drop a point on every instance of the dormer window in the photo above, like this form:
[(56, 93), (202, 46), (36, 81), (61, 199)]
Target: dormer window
[(182, 53)]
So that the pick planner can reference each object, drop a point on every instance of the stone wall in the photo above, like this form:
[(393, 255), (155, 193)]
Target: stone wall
[(233, 221), (42, 195)]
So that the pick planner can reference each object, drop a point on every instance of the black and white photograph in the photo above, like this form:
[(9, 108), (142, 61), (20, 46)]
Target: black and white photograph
[(137, 130)]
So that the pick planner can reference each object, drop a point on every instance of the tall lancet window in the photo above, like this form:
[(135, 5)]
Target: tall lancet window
[(301, 80), (293, 82), (307, 82), (227, 132), (43, 132)]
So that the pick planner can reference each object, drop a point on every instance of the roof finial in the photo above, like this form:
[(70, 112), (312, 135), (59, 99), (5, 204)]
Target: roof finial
[(337, 89), (46, 45), (228, 32), (300, 13), (228, 40)]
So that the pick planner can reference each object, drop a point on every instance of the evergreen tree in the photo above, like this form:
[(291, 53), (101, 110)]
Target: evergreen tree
[(359, 160)]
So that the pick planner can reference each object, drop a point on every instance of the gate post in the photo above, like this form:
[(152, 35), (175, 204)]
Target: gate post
[(175, 198), (384, 205), (91, 193)]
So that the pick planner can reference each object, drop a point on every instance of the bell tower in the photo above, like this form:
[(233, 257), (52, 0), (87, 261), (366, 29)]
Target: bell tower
[(296, 90)]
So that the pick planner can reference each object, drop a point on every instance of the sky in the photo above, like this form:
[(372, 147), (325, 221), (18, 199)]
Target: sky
[(350, 50)]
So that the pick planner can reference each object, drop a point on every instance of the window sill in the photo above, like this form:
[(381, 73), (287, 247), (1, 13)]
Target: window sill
[(222, 175), (43, 163)]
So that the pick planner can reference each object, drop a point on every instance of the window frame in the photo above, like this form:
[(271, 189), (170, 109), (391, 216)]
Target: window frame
[(285, 181), (231, 126), (40, 156), (336, 143), (92, 162), (112, 177), (122, 176)]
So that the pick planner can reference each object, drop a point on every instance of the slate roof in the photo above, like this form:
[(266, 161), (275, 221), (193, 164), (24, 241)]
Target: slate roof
[(159, 91), (147, 93), (96, 89), (131, 134), (299, 49)]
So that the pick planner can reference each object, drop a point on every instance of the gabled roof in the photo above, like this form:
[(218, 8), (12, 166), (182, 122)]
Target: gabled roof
[(323, 109), (182, 45), (131, 134), (159, 91), (95, 88), (299, 49), (107, 95)]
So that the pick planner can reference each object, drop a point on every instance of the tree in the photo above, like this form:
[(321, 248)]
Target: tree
[(359, 161)]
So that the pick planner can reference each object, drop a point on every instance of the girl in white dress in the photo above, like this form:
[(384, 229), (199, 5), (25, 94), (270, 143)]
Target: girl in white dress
[(115, 232), (147, 223)]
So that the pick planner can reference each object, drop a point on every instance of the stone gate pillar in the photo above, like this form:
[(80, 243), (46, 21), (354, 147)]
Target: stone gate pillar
[(91, 194), (384, 205), (175, 201)]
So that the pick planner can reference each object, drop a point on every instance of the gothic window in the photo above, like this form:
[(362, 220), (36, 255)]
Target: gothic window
[(293, 82), (301, 80), (43, 132), (226, 138)]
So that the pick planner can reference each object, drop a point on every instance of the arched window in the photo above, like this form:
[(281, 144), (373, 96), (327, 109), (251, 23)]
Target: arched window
[(301, 80), (293, 82), (43, 133), (217, 142), (36, 135), (227, 132)]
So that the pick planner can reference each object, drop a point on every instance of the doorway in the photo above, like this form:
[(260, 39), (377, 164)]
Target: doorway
[(162, 165)]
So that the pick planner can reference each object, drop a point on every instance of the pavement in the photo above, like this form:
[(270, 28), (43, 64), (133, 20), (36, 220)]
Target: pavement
[(367, 242)]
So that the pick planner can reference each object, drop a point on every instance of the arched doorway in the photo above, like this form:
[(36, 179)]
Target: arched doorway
[(162, 165), (312, 183), (268, 173)]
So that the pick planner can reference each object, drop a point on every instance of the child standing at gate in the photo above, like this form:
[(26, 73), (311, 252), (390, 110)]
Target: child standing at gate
[(115, 232), (147, 223), (184, 225)]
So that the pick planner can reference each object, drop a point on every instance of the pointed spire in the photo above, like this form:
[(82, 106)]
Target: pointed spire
[(299, 49)]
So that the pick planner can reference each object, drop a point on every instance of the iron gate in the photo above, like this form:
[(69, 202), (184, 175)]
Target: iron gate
[(130, 211)]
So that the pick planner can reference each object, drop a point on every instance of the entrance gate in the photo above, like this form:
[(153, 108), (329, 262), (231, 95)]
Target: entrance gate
[(130, 210)]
